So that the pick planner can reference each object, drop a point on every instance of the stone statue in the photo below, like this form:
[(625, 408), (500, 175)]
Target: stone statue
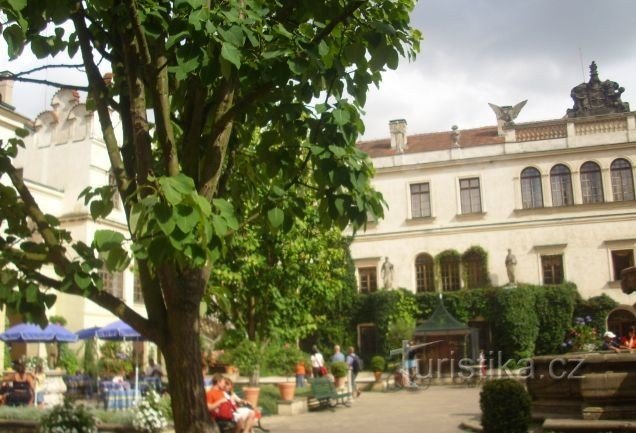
[(511, 263), (597, 97), (455, 135), (387, 273), (506, 114)]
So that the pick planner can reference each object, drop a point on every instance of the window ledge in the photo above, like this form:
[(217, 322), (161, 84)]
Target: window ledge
[(613, 284), (471, 216), (421, 220), (575, 208)]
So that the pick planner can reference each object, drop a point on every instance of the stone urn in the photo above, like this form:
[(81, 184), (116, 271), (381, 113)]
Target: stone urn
[(598, 385)]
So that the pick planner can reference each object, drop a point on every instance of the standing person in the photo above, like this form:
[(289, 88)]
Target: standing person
[(482, 363), (353, 361), (300, 373), (337, 356), (317, 362)]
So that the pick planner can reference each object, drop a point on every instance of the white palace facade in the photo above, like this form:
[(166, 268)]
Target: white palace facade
[(65, 153), (558, 193)]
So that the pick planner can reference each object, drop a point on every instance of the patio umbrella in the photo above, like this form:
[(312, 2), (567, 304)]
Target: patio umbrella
[(31, 333), (88, 333), (122, 331), (119, 331)]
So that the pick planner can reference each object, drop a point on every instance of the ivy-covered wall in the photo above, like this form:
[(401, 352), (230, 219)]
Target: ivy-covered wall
[(526, 320)]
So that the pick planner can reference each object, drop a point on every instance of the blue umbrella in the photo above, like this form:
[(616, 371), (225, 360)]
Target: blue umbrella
[(30, 333), (119, 331), (88, 333), (122, 331)]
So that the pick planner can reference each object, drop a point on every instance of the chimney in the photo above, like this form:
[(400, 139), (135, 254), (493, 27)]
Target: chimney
[(6, 89), (397, 128)]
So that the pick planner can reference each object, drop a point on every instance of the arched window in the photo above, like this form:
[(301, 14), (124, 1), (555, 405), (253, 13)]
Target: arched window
[(474, 264), (561, 185), (622, 180), (531, 191), (424, 273), (591, 183), (449, 270)]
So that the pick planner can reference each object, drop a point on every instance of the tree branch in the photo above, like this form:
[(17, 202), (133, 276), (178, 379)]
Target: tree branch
[(346, 13), (41, 68), (44, 82), (57, 257), (100, 94)]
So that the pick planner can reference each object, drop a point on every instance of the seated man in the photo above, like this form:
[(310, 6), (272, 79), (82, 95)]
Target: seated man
[(609, 342), (153, 369)]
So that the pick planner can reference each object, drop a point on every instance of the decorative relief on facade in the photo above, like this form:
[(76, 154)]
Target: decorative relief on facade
[(541, 132), (597, 97), (600, 127), (68, 119)]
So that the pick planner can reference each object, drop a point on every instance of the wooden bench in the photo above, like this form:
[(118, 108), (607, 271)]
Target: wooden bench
[(324, 391)]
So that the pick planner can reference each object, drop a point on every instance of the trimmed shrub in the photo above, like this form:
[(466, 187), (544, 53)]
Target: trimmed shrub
[(378, 363), (505, 407), (554, 306), (339, 369), (517, 326)]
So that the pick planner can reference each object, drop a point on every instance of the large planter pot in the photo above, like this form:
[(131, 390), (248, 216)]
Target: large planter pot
[(250, 394), (339, 382), (287, 390), (378, 376)]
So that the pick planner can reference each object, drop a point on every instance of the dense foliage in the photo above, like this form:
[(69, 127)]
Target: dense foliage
[(524, 321), (554, 309), (284, 285), (505, 407), (229, 111)]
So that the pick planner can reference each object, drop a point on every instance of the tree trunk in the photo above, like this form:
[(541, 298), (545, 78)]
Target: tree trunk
[(182, 353)]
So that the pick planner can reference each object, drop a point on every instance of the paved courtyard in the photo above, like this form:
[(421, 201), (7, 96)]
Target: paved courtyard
[(439, 409)]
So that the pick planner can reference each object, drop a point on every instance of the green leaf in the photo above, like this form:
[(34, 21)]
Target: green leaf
[(230, 53), (323, 48), (15, 40), (276, 217), (341, 116), (107, 239), (220, 227), (82, 280)]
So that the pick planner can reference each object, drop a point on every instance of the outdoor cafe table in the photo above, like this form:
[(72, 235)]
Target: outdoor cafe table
[(116, 397)]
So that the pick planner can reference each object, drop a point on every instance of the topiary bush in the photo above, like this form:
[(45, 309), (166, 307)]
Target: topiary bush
[(505, 407), (378, 363), (339, 369)]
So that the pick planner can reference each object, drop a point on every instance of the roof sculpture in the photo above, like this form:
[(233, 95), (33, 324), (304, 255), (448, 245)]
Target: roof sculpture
[(597, 97)]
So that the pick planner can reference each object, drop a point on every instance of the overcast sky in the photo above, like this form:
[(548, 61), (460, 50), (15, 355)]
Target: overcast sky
[(480, 51)]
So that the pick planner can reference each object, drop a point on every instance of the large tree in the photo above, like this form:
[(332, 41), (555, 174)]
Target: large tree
[(285, 285), (194, 82)]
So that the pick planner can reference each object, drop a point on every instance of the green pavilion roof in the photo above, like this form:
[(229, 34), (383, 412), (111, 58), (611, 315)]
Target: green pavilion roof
[(440, 320)]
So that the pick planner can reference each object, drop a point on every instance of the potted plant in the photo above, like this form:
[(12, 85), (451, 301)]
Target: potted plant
[(378, 364), (286, 359), (339, 370), (247, 357)]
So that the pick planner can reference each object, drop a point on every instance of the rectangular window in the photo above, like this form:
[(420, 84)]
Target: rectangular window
[(112, 182), (138, 296), (420, 200), (621, 259), (368, 279), (470, 195), (113, 283), (552, 266)]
